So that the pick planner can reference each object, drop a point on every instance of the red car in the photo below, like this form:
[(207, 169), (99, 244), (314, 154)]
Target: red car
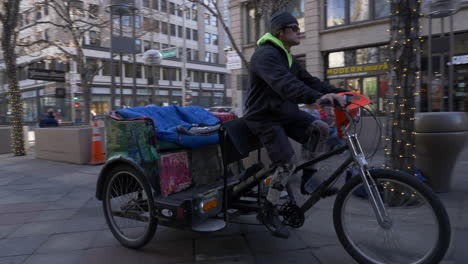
[(223, 113)]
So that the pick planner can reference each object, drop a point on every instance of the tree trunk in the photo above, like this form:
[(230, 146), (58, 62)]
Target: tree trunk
[(10, 21), (404, 71)]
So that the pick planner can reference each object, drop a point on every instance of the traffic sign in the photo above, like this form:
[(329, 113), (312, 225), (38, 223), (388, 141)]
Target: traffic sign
[(234, 61), (172, 52)]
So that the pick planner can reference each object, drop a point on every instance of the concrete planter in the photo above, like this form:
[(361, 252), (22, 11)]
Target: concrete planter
[(440, 137), (65, 144), (5, 139)]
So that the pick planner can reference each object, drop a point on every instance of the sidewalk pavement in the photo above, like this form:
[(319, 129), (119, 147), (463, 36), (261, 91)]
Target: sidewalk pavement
[(48, 214)]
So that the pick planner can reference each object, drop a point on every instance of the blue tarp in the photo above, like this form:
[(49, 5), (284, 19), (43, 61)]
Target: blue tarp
[(167, 118)]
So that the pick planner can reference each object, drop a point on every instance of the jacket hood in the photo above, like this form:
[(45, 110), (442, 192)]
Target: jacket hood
[(268, 37)]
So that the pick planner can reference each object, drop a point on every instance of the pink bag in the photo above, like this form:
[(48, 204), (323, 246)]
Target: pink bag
[(174, 173)]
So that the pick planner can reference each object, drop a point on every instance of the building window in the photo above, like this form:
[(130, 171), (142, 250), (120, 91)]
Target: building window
[(93, 11), (165, 74), (156, 45), (207, 19), (137, 22), (155, 4), (172, 9), (214, 21), (187, 13), (336, 59), (188, 31), (296, 8), (207, 38), (215, 39), (94, 38), (207, 56), (194, 13), (164, 5), (195, 34), (46, 8), (196, 55), (359, 10), (173, 30), (215, 58), (335, 12), (138, 45), (180, 32), (164, 27), (251, 36), (146, 3), (146, 45), (382, 8), (341, 12)]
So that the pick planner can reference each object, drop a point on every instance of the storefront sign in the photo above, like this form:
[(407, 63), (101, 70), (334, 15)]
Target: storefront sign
[(356, 70), (46, 75), (463, 59)]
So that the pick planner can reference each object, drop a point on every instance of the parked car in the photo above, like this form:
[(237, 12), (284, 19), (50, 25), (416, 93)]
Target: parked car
[(223, 113)]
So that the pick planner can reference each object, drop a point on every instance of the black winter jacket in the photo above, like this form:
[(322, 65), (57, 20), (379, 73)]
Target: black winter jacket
[(276, 89)]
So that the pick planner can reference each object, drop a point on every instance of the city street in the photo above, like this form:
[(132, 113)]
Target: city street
[(48, 214)]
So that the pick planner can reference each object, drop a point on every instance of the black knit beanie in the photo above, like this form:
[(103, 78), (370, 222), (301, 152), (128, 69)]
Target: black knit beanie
[(280, 20)]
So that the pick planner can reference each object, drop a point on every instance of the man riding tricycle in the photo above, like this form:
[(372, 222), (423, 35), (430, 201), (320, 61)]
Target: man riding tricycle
[(180, 167)]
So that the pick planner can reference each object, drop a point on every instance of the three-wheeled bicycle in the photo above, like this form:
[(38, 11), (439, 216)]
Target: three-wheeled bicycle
[(380, 216)]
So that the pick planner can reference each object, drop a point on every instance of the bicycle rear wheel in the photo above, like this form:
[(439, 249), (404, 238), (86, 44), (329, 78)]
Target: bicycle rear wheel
[(419, 231)]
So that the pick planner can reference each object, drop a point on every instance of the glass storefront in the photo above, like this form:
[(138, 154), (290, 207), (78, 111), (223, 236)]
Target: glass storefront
[(363, 70), (439, 90)]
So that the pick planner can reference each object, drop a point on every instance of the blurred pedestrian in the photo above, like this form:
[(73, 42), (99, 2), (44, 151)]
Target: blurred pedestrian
[(49, 120)]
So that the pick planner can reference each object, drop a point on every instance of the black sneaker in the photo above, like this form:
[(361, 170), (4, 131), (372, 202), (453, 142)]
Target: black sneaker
[(270, 218)]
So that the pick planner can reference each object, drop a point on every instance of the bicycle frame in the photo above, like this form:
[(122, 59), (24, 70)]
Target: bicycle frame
[(357, 156)]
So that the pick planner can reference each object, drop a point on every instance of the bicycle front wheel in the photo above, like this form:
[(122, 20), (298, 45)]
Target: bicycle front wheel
[(419, 229)]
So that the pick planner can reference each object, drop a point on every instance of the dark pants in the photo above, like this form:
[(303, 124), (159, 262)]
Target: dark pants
[(274, 135)]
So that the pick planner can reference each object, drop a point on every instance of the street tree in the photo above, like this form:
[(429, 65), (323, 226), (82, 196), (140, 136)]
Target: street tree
[(404, 64), (9, 14), (74, 19)]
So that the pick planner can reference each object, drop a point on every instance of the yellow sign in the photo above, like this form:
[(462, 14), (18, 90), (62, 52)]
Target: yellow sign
[(357, 69)]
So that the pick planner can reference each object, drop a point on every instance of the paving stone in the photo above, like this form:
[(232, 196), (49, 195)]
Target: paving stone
[(220, 247), (23, 207), (459, 244), (37, 228), (82, 224), (89, 212), (104, 238), (164, 252), (290, 257), (111, 255), (20, 246), (13, 260), (168, 252), (67, 242), (333, 255), (49, 215), (234, 260), (72, 257), (316, 240), (17, 218), (264, 243), (5, 230)]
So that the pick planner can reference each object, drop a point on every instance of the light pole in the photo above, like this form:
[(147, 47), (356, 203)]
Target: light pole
[(440, 9), (121, 45), (184, 79), (153, 58)]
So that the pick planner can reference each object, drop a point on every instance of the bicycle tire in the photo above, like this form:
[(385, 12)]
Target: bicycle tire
[(393, 201), (130, 180)]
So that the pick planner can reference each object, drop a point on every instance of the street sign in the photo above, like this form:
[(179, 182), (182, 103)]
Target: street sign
[(46, 75), (172, 52), (234, 61)]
